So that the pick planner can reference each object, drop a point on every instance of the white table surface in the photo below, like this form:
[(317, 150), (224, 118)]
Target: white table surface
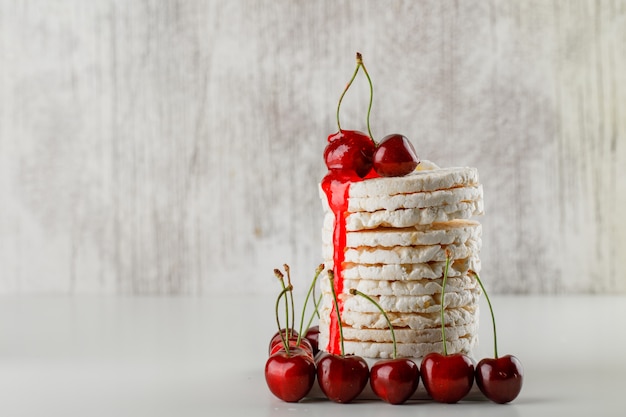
[(204, 356)]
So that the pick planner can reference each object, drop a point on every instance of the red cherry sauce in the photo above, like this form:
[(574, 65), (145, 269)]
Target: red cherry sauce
[(336, 186)]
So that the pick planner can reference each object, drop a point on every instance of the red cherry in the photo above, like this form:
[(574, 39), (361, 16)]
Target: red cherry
[(350, 152), (342, 378), (394, 380), (305, 345), (290, 376), (447, 378), (395, 156), (500, 379), (277, 340), (312, 335)]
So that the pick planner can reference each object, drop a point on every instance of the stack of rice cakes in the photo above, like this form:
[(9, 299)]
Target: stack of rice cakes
[(398, 232)]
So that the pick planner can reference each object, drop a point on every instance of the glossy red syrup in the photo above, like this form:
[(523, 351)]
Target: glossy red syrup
[(336, 186)]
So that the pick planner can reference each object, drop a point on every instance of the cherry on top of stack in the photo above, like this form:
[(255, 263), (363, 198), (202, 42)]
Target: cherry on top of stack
[(390, 223)]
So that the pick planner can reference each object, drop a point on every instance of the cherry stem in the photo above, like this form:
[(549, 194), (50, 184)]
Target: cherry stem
[(354, 291), (293, 309), (369, 108), (280, 330), (318, 271), (345, 90), (443, 294), (331, 278), (493, 318), (281, 278), (359, 64), (316, 312)]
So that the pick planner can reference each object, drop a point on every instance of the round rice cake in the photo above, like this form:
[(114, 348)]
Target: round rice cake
[(454, 231), (416, 200), (413, 216), (404, 303), (415, 182), (408, 272), (428, 335), (418, 287), (375, 320), (404, 350), (405, 254)]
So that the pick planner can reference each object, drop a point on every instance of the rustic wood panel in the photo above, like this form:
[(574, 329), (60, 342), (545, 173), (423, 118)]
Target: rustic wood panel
[(175, 146)]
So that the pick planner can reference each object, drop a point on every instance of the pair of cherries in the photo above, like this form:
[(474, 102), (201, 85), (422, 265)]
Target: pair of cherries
[(290, 372), (353, 153), (343, 377), (449, 378)]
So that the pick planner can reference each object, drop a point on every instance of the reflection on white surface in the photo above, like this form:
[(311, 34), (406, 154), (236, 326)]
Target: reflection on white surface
[(195, 356)]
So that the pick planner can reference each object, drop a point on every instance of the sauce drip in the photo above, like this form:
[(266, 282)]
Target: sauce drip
[(336, 186)]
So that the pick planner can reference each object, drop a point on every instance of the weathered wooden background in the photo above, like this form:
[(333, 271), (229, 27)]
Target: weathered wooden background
[(175, 146)]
